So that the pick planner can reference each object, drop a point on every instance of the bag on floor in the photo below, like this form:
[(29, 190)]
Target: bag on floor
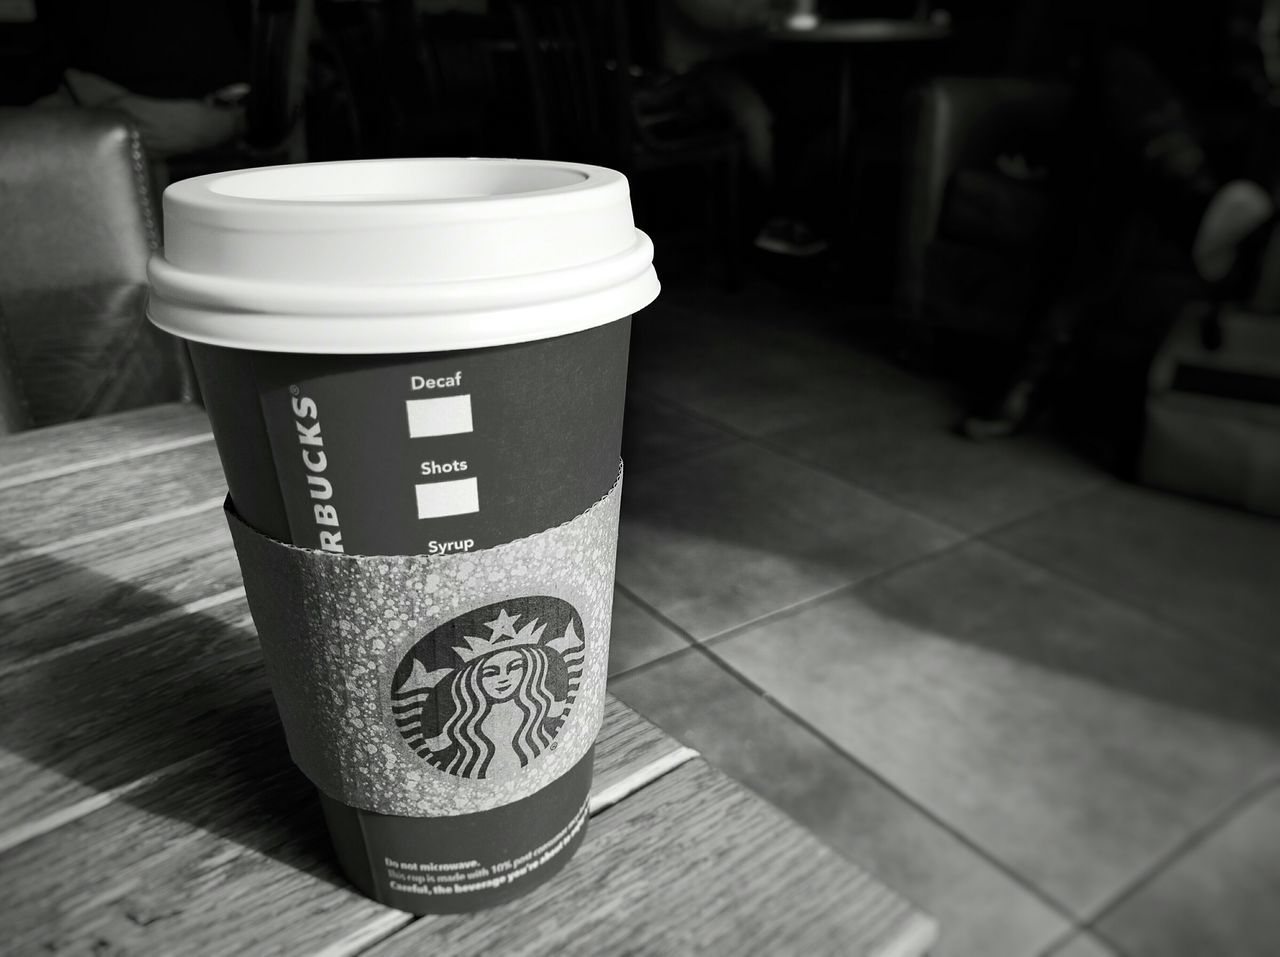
[(1213, 410)]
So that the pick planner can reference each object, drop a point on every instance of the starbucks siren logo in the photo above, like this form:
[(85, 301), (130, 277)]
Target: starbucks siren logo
[(485, 707)]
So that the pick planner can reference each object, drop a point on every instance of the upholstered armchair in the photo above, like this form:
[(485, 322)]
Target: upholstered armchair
[(79, 223), (957, 125)]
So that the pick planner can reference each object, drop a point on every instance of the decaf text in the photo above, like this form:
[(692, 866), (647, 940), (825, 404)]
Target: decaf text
[(417, 382)]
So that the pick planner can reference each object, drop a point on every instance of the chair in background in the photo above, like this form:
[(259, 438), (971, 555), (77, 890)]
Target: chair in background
[(589, 106), (14, 414), (966, 293), (956, 283), (80, 224)]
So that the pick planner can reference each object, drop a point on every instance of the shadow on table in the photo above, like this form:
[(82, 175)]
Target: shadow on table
[(184, 699)]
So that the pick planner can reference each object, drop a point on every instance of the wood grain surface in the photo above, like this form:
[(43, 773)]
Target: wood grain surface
[(150, 806), (152, 488), (230, 856), (76, 444), (201, 863), (109, 713), (116, 711), (55, 600), (627, 743), (691, 864)]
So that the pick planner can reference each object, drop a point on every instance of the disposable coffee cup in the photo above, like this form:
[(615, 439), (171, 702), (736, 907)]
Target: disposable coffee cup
[(423, 361)]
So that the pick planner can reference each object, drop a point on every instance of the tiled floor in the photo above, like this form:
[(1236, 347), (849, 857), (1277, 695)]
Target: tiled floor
[(1043, 704)]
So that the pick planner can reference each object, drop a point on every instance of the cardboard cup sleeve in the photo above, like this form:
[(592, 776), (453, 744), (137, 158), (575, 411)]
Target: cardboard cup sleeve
[(438, 686)]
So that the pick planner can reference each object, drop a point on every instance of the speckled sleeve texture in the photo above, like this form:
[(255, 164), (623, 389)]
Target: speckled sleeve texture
[(428, 686)]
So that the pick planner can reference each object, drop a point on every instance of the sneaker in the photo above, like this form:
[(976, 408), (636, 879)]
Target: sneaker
[(790, 237), (1015, 413), (1235, 213)]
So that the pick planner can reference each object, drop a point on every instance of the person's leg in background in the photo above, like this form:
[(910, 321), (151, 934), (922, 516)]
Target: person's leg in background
[(1145, 152), (1079, 276), (733, 93), (796, 92)]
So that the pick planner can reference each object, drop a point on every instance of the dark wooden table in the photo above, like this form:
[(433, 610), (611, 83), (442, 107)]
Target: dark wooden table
[(149, 807)]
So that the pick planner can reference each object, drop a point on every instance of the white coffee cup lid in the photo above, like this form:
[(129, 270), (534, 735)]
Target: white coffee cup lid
[(402, 255)]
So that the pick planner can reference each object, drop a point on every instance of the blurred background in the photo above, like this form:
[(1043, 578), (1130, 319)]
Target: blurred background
[(953, 444)]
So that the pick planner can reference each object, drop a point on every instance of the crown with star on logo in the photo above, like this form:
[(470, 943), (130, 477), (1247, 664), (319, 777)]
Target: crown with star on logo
[(502, 635)]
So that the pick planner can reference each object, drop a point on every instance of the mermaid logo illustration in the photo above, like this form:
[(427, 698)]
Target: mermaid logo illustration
[(485, 707)]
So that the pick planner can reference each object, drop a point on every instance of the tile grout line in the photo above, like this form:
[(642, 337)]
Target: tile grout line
[(984, 537), (632, 594), (706, 645), (778, 614), (648, 665), (597, 803), (719, 444), (1057, 943), (785, 453), (84, 465), (795, 607), (987, 538), (1185, 630), (1055, 946), (924, 810), (1198, 835), (805, 603), (791, 457), (981, 852)]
